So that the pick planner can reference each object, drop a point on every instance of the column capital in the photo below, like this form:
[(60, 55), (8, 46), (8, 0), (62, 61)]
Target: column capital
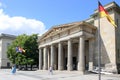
[(60, 41), (70, 39), (45, 46), (82, 36), (40, 47), (52, 44)]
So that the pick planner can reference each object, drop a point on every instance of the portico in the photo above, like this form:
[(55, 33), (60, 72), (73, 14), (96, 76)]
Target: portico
[(74, 46), (66, 47)]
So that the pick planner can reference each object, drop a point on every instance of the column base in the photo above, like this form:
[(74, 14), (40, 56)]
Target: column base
[(40, 67), (60, 68), (69, 68), (45, 68), (80, 68)]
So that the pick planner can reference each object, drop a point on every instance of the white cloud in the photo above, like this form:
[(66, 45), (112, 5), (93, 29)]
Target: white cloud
[(19, 25)]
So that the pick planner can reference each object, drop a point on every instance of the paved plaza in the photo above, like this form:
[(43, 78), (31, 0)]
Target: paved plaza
[(57, 75)]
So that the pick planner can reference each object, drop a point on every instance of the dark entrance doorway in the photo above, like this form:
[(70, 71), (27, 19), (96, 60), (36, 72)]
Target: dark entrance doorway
[(65, 64), (74, 63)]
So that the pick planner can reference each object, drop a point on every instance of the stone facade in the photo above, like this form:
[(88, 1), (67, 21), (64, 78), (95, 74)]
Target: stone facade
[(74, 46), (109, 38), (5, 41)]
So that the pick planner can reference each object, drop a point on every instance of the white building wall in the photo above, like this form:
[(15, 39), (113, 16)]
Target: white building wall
[(5, 44), (108, 42), (5, 41)]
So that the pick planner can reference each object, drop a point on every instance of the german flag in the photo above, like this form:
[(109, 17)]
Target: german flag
[(104, 13)]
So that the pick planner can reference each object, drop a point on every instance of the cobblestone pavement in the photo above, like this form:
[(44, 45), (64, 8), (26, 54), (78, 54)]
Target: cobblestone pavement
[(57, 75)]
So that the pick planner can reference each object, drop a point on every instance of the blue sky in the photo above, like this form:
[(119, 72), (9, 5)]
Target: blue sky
[(37, 16)]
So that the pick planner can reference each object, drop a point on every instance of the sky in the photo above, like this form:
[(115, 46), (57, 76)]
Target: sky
[(37, 16)]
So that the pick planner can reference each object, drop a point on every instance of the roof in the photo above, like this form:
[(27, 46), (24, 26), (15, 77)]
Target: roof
[(2, 35)]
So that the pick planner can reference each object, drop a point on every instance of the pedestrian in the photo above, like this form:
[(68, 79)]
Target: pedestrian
[(13, 71), (51, 70)]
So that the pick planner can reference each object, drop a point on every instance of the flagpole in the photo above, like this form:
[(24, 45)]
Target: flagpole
[(99, 46)]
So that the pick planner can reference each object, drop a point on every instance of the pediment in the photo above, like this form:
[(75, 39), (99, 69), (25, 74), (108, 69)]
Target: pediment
[(64, 27), (56, 29)]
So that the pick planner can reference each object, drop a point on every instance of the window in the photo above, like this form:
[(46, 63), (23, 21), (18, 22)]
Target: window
[(8, 64), (8, 44)]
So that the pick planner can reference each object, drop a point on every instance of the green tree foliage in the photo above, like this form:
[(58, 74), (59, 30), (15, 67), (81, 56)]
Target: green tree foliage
[(29, 44)]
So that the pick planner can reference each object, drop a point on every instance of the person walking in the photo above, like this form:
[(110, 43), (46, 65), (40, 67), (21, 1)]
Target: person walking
[(13, 71), (51, 70)]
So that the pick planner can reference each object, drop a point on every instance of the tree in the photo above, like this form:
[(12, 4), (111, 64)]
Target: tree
[(29, 44)]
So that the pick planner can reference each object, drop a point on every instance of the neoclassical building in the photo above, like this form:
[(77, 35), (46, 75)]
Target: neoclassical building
[(74, 46), (5, 41)]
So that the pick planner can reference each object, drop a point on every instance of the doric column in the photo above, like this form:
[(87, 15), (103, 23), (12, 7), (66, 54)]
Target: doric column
[(69, 62), (52, 55), (40, 59), (49, 57), (60, 56), (91, 50), (56, 58), (45, 67), (81, 52)]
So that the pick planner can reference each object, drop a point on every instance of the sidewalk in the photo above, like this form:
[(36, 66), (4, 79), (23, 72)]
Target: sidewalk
[(57, 75)]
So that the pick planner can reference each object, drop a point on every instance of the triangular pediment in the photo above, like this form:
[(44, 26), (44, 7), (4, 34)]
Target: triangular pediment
[(56, 29), (60, 28)]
